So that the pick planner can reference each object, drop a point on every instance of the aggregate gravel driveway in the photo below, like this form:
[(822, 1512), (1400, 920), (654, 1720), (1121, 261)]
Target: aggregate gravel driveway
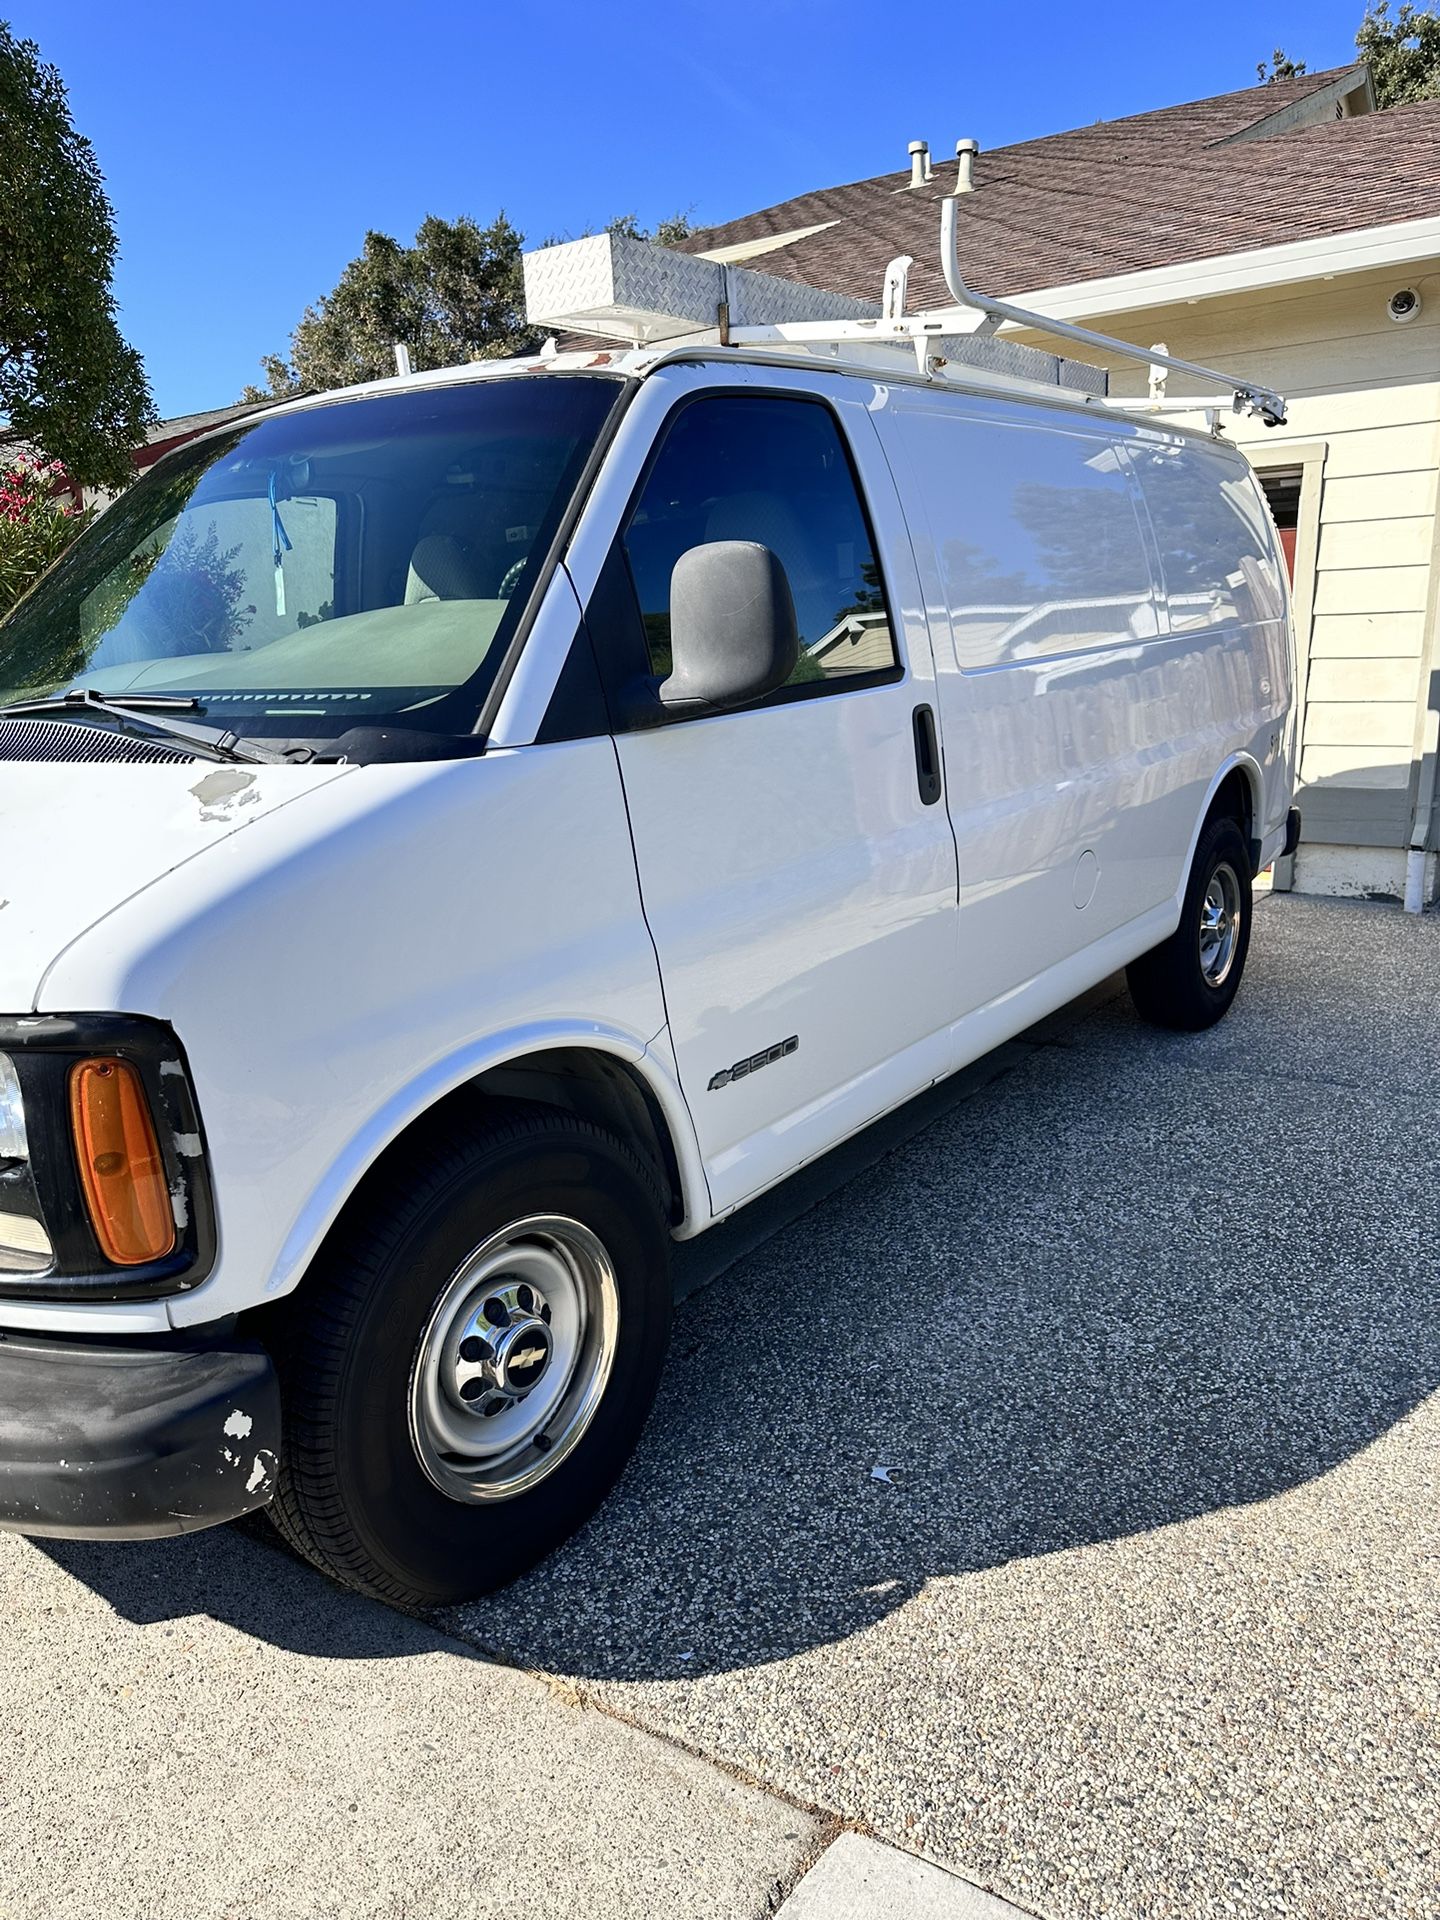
[(1057, 1497), (1144, 1339)]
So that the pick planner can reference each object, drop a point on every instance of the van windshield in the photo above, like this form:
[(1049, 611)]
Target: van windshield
[(358, 563)]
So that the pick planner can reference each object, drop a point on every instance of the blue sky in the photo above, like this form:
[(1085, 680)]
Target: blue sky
[(247, 147)]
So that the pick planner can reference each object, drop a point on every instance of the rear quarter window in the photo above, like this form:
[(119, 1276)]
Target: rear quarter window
[(1037, 536)]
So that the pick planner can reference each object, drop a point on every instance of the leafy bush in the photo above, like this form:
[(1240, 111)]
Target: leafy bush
[(37, 523)]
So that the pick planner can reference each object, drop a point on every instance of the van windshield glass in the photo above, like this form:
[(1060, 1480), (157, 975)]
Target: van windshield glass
[(358, 563)]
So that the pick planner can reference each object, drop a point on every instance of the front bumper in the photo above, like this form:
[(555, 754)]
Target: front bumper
[(134, 1442)]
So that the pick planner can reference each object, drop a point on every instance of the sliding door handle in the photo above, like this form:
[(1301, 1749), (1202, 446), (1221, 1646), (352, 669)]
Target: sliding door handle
[(927, 756)]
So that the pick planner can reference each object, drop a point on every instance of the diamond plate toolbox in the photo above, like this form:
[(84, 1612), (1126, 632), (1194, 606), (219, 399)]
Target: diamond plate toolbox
[(623, 289)]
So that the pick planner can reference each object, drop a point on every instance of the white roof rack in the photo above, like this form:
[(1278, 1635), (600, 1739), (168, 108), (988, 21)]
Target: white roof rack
[(623, 289), (1247, 396), (609, 286)]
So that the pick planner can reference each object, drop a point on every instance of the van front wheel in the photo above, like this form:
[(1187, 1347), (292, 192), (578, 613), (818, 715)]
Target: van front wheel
[(468, 1368), (1188, 983)]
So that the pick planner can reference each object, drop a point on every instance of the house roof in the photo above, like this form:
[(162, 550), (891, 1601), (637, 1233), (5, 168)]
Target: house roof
[(184, 426), (1189, 182), (167, 434)]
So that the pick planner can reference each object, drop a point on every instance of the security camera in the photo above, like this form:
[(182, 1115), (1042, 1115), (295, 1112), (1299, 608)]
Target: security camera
[(1403, 306)]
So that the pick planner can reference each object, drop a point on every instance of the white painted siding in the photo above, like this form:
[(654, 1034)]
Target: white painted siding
[(1367, 680), (1377, 589), (1410, 493), (1367, 636), (1400, 542), (1386, 768)]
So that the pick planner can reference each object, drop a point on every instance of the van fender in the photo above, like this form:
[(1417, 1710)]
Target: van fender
[(651, 1058), (1250, 767)]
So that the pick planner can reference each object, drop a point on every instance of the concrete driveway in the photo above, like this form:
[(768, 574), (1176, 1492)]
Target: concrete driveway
[(1056, 1498)]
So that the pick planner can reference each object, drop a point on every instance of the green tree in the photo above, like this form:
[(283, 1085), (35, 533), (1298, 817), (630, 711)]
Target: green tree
[(457, 294), (68, 382), (1402, 53), (1279, 67), (665, 233)]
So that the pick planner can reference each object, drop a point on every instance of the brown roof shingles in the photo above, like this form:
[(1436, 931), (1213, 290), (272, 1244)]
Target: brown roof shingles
[(1117, 197)]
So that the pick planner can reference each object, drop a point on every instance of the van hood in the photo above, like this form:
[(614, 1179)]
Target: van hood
[(78, 839)]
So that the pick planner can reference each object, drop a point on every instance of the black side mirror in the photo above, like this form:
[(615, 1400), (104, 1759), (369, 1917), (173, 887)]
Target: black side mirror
[(733, 637)]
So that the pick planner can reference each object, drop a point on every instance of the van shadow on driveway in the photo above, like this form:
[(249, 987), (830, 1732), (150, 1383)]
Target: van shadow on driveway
[(1137, 1279), (1140, 1278), (254, 1584)]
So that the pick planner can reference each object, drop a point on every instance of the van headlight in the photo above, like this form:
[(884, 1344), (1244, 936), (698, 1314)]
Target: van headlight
[(24, 1244), (13, 1144), (104, 1186)]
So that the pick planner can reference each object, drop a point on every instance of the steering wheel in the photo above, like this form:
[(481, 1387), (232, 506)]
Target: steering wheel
[(510, 579)]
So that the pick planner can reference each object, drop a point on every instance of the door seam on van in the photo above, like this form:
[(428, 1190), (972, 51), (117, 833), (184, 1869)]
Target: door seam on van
[(934, 665), (659, 970)]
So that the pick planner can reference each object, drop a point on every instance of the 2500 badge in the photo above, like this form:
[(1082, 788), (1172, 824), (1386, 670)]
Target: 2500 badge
[(753, 1065)]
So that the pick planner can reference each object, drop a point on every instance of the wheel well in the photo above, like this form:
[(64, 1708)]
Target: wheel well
[(581, 1081), (591, 1085), (1235, 800)]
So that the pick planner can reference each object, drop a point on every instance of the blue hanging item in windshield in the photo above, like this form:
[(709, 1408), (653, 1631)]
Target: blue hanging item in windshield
[(280, 545)]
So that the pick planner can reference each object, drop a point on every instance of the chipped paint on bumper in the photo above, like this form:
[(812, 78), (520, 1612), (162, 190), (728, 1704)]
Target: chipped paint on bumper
[(104, 1440)]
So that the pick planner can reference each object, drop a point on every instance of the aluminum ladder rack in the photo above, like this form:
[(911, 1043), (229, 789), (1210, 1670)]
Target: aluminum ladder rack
[(610, 286)]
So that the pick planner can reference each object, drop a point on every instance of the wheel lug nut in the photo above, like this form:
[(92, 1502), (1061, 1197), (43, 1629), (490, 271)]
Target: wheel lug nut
[(472, 1389), (474, 1349)]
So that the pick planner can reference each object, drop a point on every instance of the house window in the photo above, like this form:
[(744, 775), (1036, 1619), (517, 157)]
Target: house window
[(1281, 487)]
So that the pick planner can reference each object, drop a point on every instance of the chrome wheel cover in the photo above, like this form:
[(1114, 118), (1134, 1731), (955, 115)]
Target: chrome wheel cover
[(1221, 913), (515, 1359)]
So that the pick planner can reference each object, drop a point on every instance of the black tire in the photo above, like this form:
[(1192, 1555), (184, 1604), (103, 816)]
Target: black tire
[(352, 1494), (1169, 985)]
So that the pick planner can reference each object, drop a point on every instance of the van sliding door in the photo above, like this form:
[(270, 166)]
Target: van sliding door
[(1044, 615)]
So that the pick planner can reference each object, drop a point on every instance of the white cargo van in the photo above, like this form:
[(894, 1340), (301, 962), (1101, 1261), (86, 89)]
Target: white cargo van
[(460, 835)]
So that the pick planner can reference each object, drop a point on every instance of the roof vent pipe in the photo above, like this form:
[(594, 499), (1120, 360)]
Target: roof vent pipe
[(965, 152), (919, 151)]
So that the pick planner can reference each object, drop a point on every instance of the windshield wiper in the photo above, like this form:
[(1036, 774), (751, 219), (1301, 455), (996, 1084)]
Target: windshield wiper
[(134, 713)]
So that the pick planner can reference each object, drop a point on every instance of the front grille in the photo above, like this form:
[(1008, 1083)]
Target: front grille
[(37, 739)]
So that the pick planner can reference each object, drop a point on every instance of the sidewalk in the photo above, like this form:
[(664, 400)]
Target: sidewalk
[(238, 1740), (206, 1730)]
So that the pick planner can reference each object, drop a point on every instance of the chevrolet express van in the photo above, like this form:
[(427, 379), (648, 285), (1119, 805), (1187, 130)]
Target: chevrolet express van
[(460, 836)]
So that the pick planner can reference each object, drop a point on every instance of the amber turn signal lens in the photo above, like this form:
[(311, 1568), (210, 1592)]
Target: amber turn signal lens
[(121, 1171)]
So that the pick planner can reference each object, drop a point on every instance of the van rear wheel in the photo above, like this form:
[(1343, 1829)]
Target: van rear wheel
[(1188, 983), (469, 1366)]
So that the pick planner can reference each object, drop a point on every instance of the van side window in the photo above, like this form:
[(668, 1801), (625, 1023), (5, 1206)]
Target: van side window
[(1216, 550), (754, 467), (1038, 538)]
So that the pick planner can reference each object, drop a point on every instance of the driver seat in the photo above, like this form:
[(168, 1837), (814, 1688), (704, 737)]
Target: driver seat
[(440, 569)]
